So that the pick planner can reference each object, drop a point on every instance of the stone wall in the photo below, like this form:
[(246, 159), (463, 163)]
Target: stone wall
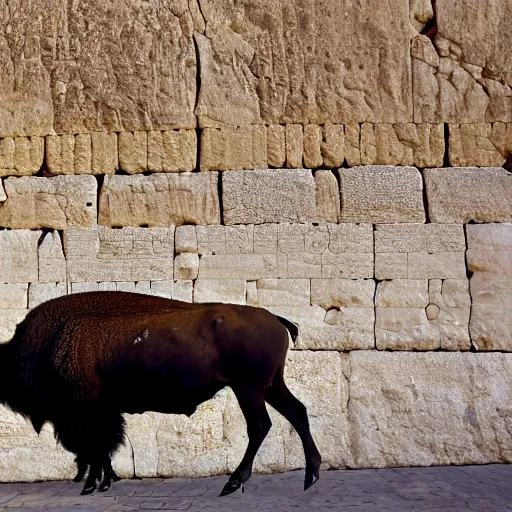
[(342, 166)]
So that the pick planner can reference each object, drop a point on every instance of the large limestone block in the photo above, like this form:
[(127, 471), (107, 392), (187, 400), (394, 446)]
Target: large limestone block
[(105, 157), (159, 200), (283, 292), (41, 292), (133, 151), (225, 239), (311, 64), (185, 239), (13, 295), (480, 144), (69, 154), (482, 194), (21, 156), (489, 258), (465, 77), (410, 409), (402, 144), (238, 266), (9, 319), (350, 328), (26, 456), (276, 146), (172, 150), (52, 263), (420, 251), (231, 148), (294, 145), (220, 290), (422, 315), (320, 381), (62, 202), (129, 254), (18, 261), (141, 434), (121, 74), (327, 196), (186, 266), (333, 145), (381, 194), (256, 197), (342, 293)]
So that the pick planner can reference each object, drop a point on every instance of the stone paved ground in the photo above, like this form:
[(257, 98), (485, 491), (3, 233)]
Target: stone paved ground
[(453, 489)]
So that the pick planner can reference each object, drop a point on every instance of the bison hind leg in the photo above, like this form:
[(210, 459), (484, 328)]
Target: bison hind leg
[(82, 467)]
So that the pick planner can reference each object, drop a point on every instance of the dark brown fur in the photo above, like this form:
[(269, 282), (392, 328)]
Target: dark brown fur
[(82, 360)]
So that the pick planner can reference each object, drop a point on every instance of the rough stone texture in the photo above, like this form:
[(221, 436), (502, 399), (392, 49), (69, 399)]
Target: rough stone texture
[(420, 251), (294, 145), (52, 263), (105, 158), (276, 146), (69, 154), (483, 194), (333, 145), (283, 292), (352, 144), (342, 293), (185, 239), (41, 292), (129, 254), (186, 266), (62, 202), (21, 156), (238, 266), (182, 290), (489, 258), (134, 68), (230, 148), (313, 63), (402, 144), (159, 200), (225, 239), (381, 194), (465, 77), (220, 290), (256, 197), (312, 146), (18, 261), (423, 409), (422, 315), (172, 150), (13, 295), (9, 319), (327, 196), (133, 151), (481, 144), (349, 329)]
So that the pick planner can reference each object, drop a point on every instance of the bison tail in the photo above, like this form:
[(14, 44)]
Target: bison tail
[(292, 327)]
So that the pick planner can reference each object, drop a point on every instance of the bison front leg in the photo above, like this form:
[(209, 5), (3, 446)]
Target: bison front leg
[(252, 403)]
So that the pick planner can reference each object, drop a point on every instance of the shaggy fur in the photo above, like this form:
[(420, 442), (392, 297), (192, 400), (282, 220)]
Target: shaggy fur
[(82, 360)]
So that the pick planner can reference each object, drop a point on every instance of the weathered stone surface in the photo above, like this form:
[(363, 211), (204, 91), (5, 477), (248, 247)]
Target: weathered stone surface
[(347, 265), (489, 258), (105, 158), (333, 145), (481, 144), (186, 266), (342, 293), (82, 287), (238, 266), (60, 154), (21, 156), (13, 295), (41, 292), (141, 432), (185, 239), (3, 195), (294, 145), (251, 293), (62, 202), (350, 329), (423, 409), (129, 254), (420, 251), (18, 263), (466, 77), (83, 153), (402, 144), (381, 194), (225, 239), (352, 144), (483, 194), (133, 151), (331, 67), (52, 263), (159, 200), (220, 290), (283, 292), (422, 315), (276, 145), (231, 148), (256, 197), (172, 150), (327, 196), (132, 75), (9, 319), (312, 146), (182, 290)]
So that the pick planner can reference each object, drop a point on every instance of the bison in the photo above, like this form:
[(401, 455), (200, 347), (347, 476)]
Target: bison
[(81, 360)]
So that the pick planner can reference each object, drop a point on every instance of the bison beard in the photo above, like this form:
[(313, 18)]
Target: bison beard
[(80, 361)]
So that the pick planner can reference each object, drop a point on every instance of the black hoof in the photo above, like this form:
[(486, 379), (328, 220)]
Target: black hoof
[(104, 486), (88, 489), (309, 480), (231, 487)]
